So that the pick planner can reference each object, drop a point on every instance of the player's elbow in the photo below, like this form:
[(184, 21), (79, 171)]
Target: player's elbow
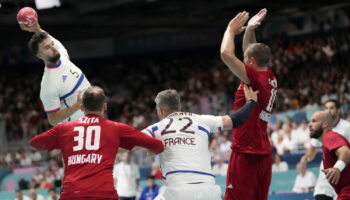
[(225, 55), (35, 144), (52, 119), (159, 148)]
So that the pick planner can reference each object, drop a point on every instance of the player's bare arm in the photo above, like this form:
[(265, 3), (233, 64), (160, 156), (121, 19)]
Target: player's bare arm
[(253, 23), (333, 174), (227, 51), (57, 117), (35, 28), (241, 115), (309, 155)]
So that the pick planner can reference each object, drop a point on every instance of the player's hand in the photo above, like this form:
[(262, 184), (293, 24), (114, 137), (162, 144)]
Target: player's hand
[(255, 21), (332, 175), (250, 94), (35, 28), (236, 24), (79, 101)]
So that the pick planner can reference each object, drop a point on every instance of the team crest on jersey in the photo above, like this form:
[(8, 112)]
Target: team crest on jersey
[(64, 78)]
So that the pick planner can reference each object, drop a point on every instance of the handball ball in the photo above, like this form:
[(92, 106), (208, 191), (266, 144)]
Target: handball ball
[(27, 16)]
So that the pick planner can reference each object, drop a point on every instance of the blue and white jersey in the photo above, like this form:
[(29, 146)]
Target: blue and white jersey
[(186, 158), (60, 84)]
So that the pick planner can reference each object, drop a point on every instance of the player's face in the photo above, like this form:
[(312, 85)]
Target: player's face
[(47, 51), (315, 127), (332, 109)]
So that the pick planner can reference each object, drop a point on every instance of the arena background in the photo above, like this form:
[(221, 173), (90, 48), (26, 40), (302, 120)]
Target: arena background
[(135, 48)]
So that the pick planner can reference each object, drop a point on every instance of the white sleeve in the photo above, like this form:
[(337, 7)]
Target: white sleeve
[(315, 143), (51, 100), (60, 47), (214, 122), (137, 172), (150, 130), (115, 171)]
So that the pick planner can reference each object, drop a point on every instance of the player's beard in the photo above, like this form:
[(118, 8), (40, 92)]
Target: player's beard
[(316, 133), (55, 58)]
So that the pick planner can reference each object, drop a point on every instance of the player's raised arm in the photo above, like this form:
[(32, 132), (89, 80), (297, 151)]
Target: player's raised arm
[(36, 28), (241, 115), (253, 23), (227, 51), (333, 174)]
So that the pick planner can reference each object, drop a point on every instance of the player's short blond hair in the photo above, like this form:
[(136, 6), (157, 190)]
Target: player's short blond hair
[(93, 98), (261, 52), (169, 100)]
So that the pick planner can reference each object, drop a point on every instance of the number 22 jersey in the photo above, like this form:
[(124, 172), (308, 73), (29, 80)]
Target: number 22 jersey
[(186, 158)]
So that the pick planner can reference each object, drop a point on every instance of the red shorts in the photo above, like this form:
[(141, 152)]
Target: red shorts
[(248, 176)]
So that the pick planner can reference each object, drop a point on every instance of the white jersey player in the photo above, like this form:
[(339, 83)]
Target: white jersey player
[(62, 81), (323, 190), (185, 162)]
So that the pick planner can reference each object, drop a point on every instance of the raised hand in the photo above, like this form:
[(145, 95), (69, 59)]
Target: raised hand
[(255, 21), (236, 24), (34, 28)]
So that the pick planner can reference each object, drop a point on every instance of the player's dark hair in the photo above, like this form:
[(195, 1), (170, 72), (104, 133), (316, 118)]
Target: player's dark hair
[(336, 102), (169, 100), (36, 39), (151, 177), (93, 99), (261, 52)]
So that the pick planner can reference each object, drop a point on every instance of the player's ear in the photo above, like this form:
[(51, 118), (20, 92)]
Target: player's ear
[(82, 108), (104, 106)]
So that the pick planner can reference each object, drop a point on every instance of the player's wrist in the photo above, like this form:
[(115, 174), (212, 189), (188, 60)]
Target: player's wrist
[(340, 165), (252, 101)]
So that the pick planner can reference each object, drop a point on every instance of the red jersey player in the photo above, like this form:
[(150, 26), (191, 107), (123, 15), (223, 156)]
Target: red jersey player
[(89, 146), (335, 153), (249, 171)]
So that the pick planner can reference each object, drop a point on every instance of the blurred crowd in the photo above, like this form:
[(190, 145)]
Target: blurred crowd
[(309, 69)]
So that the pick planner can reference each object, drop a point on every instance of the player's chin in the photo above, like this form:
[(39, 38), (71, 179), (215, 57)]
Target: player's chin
[(55, 58)]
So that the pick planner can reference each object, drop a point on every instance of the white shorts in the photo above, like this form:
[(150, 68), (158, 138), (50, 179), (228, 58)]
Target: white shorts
[(202, 191), (323, 186)]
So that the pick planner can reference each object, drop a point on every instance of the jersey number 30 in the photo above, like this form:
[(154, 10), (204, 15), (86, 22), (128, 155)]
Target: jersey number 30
[(87, 135)]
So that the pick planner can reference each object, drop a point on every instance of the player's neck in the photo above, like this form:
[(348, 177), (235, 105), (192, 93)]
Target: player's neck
[(336, 120), (94, 113), (324, 132), (53, 63), (258, 68)]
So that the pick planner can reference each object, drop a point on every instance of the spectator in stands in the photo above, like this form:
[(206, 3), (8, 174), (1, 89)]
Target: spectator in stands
[(279, 165), (34, 196), (220, 167), (305, 181), (225, 144), (155, 171), (20, 196), (150, 191), (23, 184), (127, 177), (53, 194)]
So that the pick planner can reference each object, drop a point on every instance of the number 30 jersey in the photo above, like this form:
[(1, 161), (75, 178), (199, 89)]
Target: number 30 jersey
[(186, 158), (89, 146)]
